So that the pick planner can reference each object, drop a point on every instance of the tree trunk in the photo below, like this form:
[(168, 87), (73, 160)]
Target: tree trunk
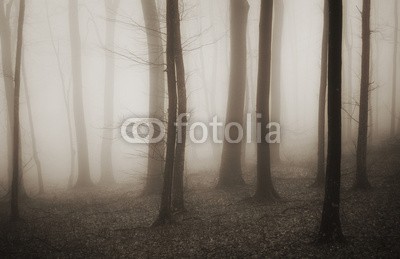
[(349, 78), (361, 173), (330, 229), (264, 189), (6, 58), (165, 214), (107, 176), (32, 132), (231, 166), (320, 179), (80, 123), (178, 199), (156, 155), (276, 74), (17, 167), (394, 80)]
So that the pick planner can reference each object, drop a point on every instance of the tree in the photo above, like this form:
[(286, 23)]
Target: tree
[(107, 176), (349, 78), (276, 74), (320, 179), (157, 93), (361, 181), (165, 213), (32, 131), (179, 166), (264, 189), (330, 229), (6, 58), (231, 166), (16, 127), (394, 75), (78, 110)]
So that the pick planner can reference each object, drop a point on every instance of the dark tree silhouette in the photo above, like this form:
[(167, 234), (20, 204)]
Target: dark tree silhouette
[(264, 189), (157, 93), (179, 167), (165, 214), (231, 166), (80, 122), (17, 167), (320, 179), (330, 229), (107, 175), (361, 181), (276, 101)]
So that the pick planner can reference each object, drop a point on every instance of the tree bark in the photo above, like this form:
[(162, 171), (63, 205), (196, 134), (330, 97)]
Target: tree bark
[(16, 128), (330, 229), (320, 179), (276, 74), (178, 189), (8, 73), (231, 166), (361, 181), (165, 214), (264, 189), (156, 154), (80, 123), (107, 175)]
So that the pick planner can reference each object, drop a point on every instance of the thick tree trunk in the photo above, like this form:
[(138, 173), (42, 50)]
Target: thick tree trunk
[(231, 166), (394, 75), (156, 154), (79, 115), (178, 189), (32, 132), (320, 179), (107, 175), (17, 167), (7, 71), (264, 189), (361, 173), (165, 214), (276, 74), (330, 229)]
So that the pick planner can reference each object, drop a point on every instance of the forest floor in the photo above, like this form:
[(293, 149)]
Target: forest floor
[(115, 221)]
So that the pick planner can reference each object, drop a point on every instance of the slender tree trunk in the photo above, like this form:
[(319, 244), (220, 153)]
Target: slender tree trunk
[(349, 78), (264, 189), (32, 132), (79, 115), (178, 202), (165, 214), (361, 173), (107, 176), (66, 103), (17, 167), (394, 75), (320, 179), (330, 229), (7, 71), (231, 166), (276, 74), (156, 155)]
